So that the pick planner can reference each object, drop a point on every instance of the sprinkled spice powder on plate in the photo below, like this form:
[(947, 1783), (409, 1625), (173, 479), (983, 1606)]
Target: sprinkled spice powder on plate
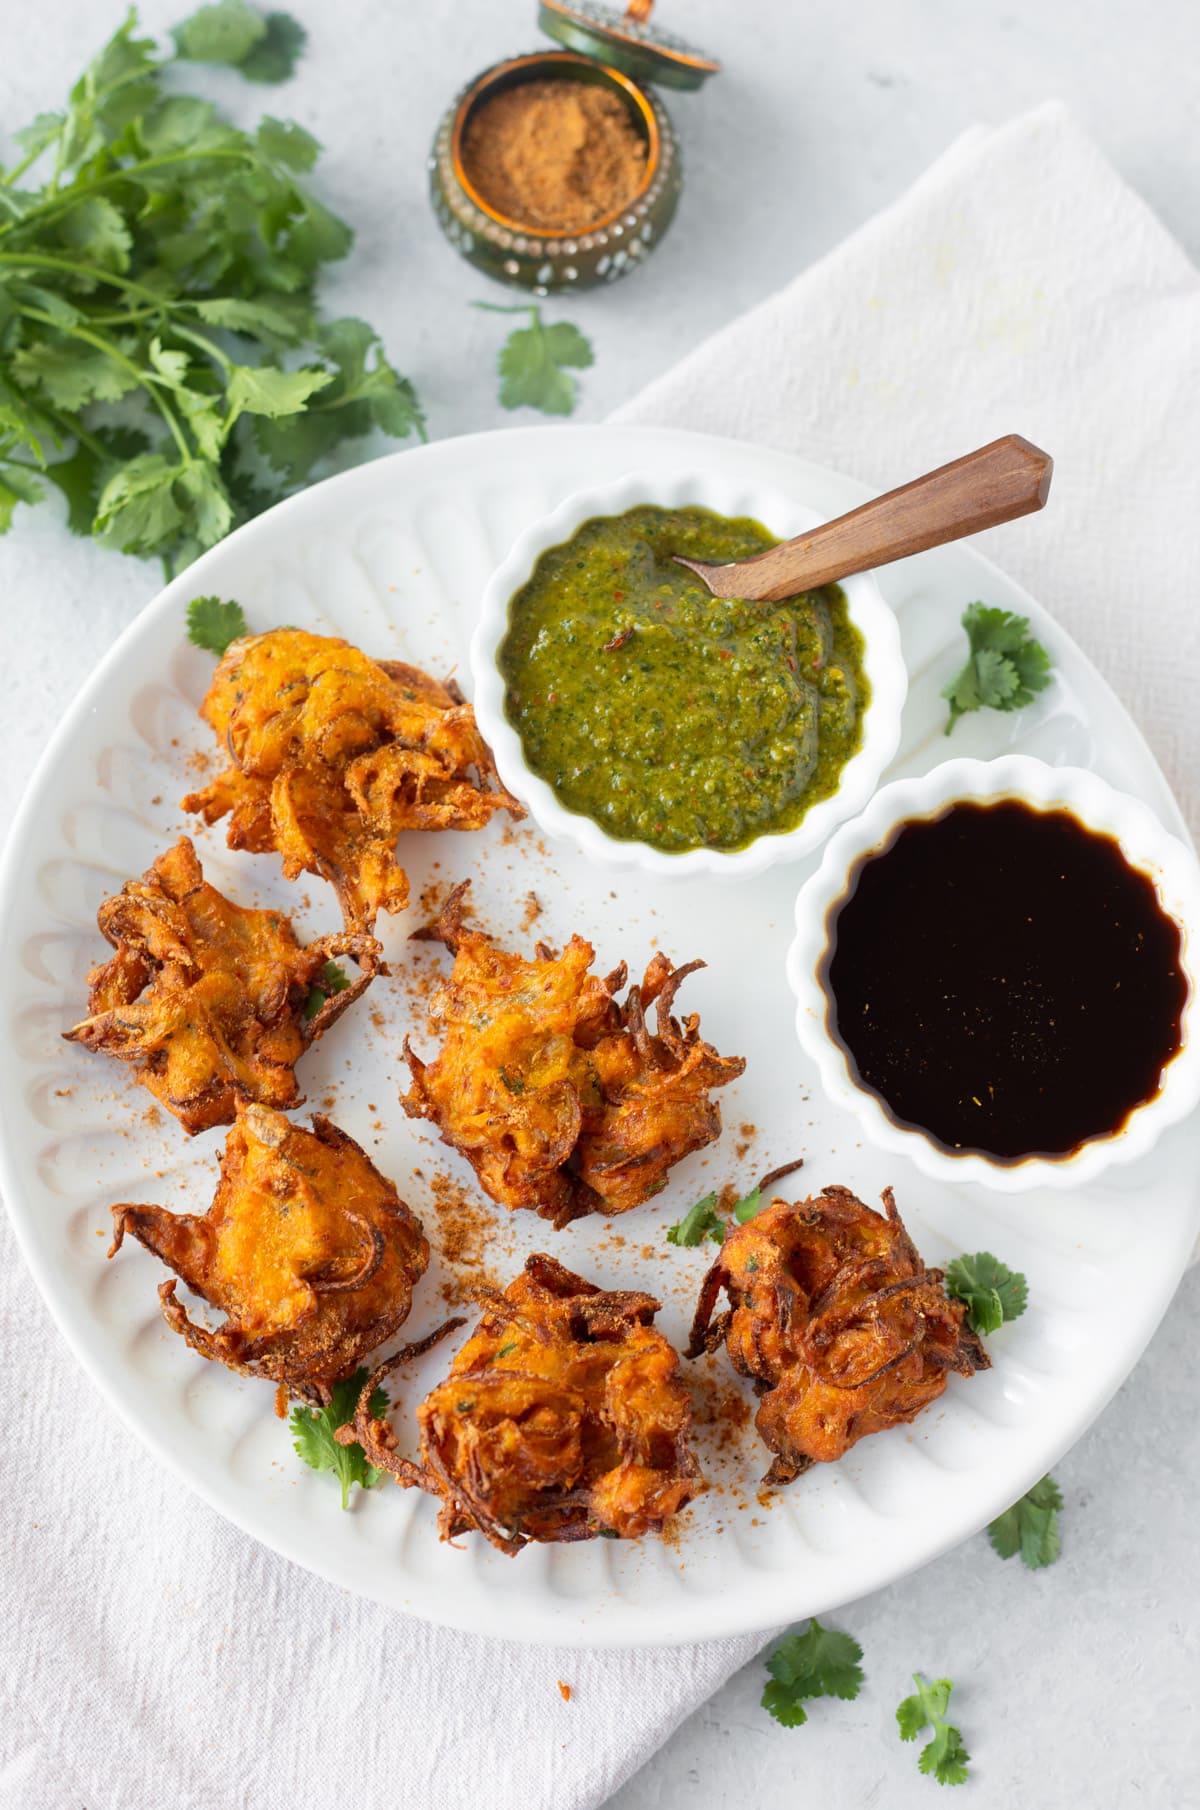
[(559, 155)]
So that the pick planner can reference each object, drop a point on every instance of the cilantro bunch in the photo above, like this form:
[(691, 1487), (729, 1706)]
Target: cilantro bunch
[(160, 357)]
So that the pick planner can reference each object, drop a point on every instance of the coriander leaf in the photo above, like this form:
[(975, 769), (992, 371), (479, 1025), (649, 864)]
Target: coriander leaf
[(82, 475), (996, 678), (821, 1662), (365, 392), (225, 32), (248, 496), (266, 317), (96, 232), (1030, 1526), (912, 1718), (778, 1701), (1006, 667), (285, 142), (992, 1292), (944, 1756), (62, 312), (17, 430), (214, 625), (318, 237), (184, 123), (698, 1223), (266, 390), (532, 361), (277, 52), (367, 387), (18, 484), (206, 422), (137, 510), (172, 367), (207, 511), (70, 374), (122, 60), (314, 1430), (333, 980), (567, 345), (749, 1205), (78, 477), (40, 134)]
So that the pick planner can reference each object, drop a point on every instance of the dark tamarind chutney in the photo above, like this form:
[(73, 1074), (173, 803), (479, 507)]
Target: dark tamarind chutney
[(1004, 980)]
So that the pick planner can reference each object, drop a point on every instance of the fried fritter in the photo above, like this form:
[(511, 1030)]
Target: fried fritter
[(561, 1099), (333, 754), (562, 1417), (842, 1328), (308, 1251), (207, 998)]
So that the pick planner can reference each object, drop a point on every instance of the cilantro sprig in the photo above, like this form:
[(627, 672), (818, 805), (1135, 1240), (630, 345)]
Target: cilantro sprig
[(161, 361), (698, 1223), (314, 1430), (821, 1662), (214, 625), (1006, 667), (703, 1220), (992, 1292), (534, 359), (1030, 1526), (264, 48), (944, 1756)]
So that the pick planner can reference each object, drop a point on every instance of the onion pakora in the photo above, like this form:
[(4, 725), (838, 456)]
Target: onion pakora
[(837, 1321), (307, 1249), (562, 1417), (208, 999), (560, 1098), (333, 754)]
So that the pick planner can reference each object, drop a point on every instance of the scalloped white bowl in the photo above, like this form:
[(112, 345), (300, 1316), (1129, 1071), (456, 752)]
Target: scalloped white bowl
[(1171, 867), (784, 516)]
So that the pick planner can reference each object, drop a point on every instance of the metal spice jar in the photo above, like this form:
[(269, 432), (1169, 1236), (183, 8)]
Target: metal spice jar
[(560, 169)]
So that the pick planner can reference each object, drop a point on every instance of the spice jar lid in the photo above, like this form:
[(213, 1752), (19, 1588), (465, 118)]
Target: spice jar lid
[(627, 41)]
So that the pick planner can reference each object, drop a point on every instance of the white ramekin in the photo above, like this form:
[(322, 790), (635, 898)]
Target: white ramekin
[(785, 516), (1171, 867)]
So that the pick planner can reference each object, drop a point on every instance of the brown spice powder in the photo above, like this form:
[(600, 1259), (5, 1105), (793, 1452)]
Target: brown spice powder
[(559, 155), (464, 1233)]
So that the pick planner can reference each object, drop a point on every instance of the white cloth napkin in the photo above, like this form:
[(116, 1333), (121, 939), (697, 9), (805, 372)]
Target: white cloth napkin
[(150, 1654)]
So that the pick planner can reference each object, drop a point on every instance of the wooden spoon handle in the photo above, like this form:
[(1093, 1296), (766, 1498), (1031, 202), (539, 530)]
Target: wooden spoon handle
[(998, 483)]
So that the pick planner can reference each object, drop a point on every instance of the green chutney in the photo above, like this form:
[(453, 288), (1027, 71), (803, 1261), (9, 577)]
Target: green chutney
[(669, 716)]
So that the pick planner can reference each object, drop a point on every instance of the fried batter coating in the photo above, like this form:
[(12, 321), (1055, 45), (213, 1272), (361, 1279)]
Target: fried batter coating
[(834, 1316), (333, 754), (308, 1251), (562, 1417), (207, 998), (561, 1099)]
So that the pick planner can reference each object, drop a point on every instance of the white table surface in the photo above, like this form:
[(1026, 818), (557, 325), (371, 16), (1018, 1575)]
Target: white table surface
[(1076, 1685)]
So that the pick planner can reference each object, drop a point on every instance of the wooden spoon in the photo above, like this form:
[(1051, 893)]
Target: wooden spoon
[(997, 484)]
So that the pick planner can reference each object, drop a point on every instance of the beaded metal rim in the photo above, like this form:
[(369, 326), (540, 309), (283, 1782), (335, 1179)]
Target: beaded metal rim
[(632, 30), (558, 60)]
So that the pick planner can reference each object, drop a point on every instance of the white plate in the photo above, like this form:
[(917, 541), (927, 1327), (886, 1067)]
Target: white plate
[(394, 555)]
